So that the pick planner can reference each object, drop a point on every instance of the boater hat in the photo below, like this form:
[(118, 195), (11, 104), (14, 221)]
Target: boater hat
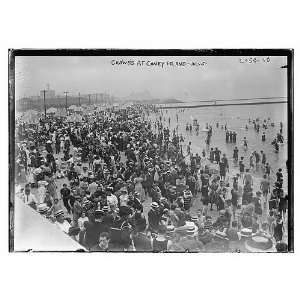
[(221, 235), (259, 243), (154, 205), (42, 208), (58, 213), (170, 231), (105, 208), (194, 219), (246, 232)]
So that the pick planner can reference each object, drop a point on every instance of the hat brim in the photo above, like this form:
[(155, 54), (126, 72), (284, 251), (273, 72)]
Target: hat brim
[(257, 250)]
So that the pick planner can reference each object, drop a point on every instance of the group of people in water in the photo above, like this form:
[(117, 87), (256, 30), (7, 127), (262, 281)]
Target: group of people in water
[(124, 180), (279, 139)]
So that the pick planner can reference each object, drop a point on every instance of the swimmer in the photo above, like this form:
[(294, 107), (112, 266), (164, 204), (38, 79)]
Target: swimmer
[(245, 143)]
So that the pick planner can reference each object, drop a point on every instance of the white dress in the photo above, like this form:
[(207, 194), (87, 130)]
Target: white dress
[(139, 188)]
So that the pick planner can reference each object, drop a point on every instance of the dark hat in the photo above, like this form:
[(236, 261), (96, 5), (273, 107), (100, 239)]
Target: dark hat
[(125, 211), (74, 230)]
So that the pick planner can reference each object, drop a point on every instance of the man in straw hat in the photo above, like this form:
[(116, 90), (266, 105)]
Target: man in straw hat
[(60, 222)]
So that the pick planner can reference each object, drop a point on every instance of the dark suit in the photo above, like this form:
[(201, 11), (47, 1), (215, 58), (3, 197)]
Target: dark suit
[(153, 219)]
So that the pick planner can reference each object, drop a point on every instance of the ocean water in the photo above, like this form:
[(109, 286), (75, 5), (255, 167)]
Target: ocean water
[(236, 117)]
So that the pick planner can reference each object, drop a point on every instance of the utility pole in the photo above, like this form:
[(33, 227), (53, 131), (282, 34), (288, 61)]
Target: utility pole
[(44, 94), (79, 99), (66, 101), (89, 99), (96, 97)]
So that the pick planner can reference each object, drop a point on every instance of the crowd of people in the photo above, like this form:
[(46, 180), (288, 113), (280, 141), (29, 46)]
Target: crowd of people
[(118, 182)]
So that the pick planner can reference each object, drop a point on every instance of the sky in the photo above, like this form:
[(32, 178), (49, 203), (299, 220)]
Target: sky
[(201, 78)]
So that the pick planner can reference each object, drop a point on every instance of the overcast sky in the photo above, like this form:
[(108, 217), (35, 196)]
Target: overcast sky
[(219, 77)]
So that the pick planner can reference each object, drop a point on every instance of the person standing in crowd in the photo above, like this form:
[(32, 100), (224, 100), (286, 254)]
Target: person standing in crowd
[(61, 222), (234, 200), (217, 153), (103, 243), (242, 168), (65, 193), (29, 198), (278, 229), (236, 154), (224, 167), (139, 188), (81, 220), (154, 217), (265, 188), (111, 199), (248, 180), (161, 243)]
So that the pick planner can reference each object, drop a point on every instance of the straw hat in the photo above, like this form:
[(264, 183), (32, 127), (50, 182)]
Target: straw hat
[(259, 243), (246, 232), (154, 205), (42, 208), (58, 213), (42, 183), (194, 219), (221, 235)]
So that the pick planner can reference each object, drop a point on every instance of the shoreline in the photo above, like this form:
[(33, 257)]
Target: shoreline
[(221, 104)]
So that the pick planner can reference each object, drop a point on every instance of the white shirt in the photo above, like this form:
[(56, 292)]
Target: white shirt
[(65, 226), (112, 200), (81, 222), (71, 160), (29, 199), (93, 187), (123, 200), (41, 194)]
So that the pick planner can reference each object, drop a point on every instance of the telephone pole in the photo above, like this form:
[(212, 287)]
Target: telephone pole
[(66, 100), (79, 99), (89, 99), (44, 94), (96, 97)]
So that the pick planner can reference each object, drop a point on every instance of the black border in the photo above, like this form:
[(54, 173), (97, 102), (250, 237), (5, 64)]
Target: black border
[(289, 53)]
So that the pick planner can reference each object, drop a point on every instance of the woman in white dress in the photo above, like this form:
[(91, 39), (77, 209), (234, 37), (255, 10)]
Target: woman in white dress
[(62, 144), (139, 188)]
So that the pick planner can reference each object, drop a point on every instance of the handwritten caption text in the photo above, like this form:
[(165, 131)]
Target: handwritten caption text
[(157, 63)]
